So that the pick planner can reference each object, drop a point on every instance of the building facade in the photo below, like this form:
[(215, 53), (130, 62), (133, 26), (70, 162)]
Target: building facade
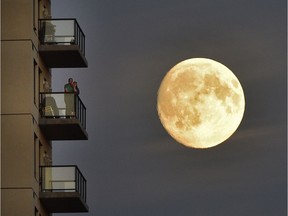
[(32, 115)]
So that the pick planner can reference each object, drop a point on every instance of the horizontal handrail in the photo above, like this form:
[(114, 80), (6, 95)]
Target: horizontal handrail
[(70, 178), (62, 105)]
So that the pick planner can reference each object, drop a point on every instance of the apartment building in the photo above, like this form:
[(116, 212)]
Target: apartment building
[(32, 115)]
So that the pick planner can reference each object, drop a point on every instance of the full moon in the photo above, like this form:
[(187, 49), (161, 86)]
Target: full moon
[(200, 103)]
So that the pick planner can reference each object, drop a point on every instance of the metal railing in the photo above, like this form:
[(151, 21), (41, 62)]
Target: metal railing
[(63, 179), (61, 32), (62, 105)]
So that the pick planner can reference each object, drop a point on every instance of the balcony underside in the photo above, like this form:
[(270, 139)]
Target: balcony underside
[(62, 56), (63, 202), (63, 129)]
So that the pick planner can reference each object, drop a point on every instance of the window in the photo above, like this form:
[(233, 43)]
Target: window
[(35, 15), (36, 87), (36, 212), (36, 157)]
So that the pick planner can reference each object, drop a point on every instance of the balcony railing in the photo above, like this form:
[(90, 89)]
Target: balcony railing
[(63, 189), (63, 179), (62, 32), (60, 114), (62, 105), (62, 36)]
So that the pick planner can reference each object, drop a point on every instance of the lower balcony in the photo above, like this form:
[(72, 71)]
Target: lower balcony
[(62, 116), (63, 189)]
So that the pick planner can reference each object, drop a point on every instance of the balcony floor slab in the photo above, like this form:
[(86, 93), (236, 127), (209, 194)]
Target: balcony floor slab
[(63, 129), (62, 56), (63, 202)]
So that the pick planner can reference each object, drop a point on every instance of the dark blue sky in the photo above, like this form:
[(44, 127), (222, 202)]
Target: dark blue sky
[(133, 167)]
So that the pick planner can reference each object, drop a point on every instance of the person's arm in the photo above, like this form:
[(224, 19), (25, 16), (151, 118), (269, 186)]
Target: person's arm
[(66, 89)]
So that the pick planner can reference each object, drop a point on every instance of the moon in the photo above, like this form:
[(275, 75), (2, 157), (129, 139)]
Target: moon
[(200, 102)]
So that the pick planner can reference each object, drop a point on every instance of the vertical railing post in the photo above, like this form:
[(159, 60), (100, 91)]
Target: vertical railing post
[(76, 33), (83, 44), (75, 179), (79, 181)]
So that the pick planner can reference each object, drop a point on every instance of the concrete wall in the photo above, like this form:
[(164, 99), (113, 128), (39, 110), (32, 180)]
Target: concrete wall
[(23, 146), (17, 77), (17, 202)]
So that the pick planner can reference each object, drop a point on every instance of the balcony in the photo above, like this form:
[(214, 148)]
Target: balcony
[(62, 116), (62, 43), (63, 189)]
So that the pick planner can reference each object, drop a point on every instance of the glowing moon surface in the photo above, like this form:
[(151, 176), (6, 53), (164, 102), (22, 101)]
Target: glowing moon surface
[(200, 103)]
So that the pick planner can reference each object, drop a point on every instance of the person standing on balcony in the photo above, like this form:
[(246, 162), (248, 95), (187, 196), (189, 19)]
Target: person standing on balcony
[(69, 97), (76, 89), (76, 92), (69, 87)]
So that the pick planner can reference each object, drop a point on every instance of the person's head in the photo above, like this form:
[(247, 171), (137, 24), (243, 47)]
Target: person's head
[(70, 80), (75, 83)]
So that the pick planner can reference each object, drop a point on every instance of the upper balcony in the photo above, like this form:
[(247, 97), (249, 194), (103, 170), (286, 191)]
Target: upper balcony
[(63, 189), (62, 43), (62, 116)]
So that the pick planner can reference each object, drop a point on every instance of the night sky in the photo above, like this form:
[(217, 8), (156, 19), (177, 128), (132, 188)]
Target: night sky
[(132, 166)]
